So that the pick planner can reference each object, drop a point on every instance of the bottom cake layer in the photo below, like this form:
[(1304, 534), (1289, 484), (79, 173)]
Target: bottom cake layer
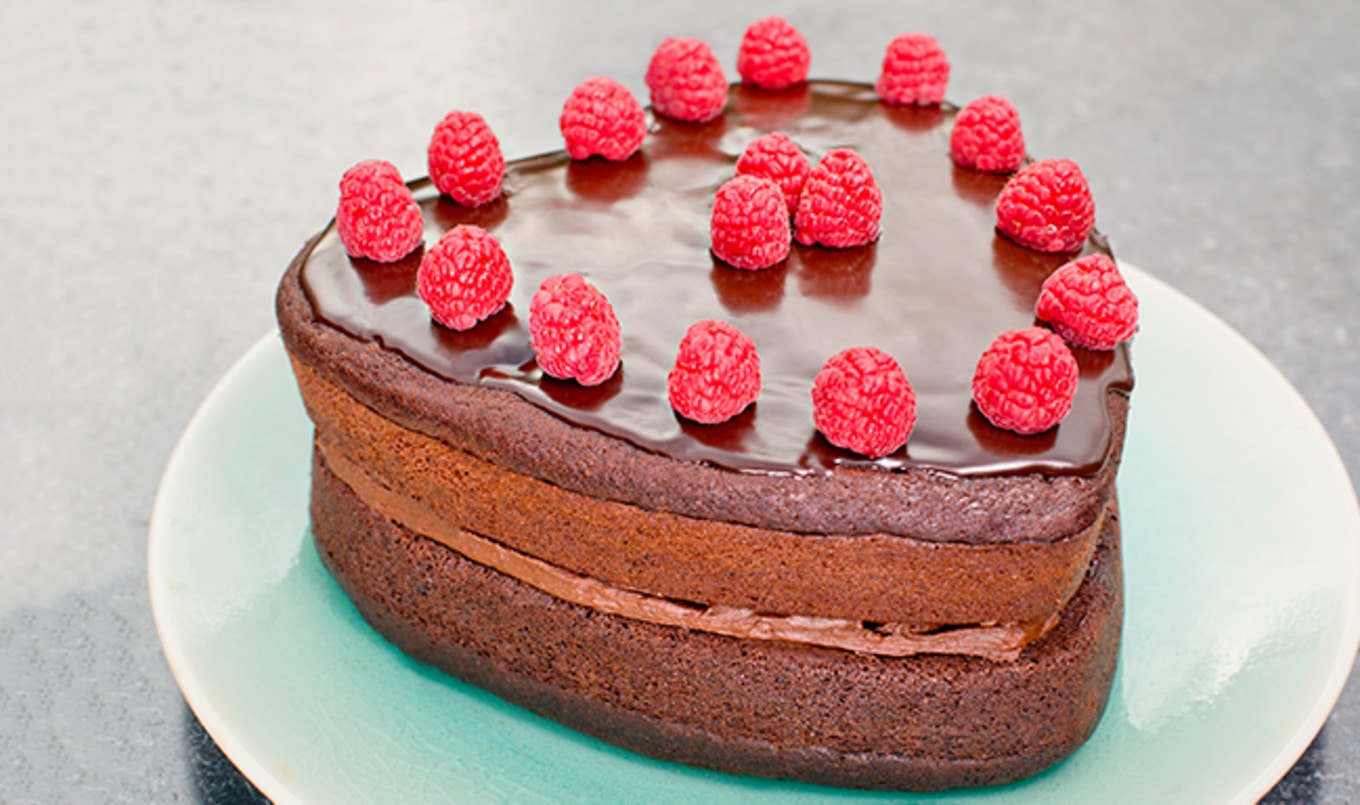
[(764, 708)]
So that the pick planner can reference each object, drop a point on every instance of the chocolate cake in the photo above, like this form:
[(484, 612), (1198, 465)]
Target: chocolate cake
[(742, 596)]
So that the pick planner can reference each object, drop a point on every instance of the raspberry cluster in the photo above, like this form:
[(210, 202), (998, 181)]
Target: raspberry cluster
[(862, 401)]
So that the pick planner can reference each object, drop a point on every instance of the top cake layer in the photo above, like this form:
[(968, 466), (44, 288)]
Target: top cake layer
[(936, 288)]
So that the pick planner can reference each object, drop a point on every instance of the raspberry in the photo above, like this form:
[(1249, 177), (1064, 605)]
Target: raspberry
[(750, 223), (774, 156), (1025, 380), (575, 333), (601, 117), (987, 136), (861, 401), (686, 81), (1089, 304), (1047, 206), (841, 204), (716, 373), (465, 159), (464, 278), (773, 55), (377, 218), (915, 71)]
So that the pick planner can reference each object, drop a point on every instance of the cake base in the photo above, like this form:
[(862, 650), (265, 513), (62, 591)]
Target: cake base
[(748, 707)]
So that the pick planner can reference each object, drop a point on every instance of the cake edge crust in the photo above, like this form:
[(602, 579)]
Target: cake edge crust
[(513, 433)]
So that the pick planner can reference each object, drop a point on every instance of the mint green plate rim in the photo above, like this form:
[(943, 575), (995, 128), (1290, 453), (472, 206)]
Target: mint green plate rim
[(1242, 563)]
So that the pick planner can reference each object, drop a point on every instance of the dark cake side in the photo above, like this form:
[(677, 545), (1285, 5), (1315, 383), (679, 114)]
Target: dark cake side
[(763, 708)]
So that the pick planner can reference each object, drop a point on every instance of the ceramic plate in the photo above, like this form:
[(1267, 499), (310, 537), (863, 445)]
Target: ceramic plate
[(1242, 554)]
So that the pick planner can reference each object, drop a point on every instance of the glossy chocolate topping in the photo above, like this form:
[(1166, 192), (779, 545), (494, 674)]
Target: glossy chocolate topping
[(934, 291)]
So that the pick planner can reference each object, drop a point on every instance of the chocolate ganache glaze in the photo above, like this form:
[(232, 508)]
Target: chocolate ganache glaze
[(933, 291)]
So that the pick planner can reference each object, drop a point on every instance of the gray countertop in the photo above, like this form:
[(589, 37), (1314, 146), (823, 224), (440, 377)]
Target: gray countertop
[(162, 162)]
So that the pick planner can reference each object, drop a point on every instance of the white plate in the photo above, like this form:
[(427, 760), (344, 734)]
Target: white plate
[(1242, 555)]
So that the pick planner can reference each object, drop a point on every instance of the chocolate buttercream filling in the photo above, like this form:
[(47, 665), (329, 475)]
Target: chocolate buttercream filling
[(999, 642)]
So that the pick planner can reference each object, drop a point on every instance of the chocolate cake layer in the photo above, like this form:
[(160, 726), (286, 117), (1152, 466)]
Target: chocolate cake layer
[(881, 577), (934, 290), (753, 707)]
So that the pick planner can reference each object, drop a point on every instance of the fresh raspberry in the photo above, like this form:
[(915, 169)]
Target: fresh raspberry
[(915, 71), (575, 333), (1089, 304), (1047, 206), (1026, 380), (773, 55), (601, 117), (465, 159), (987, 136), (774, 156), (716, 373), (378, 218), (750, 223), (464, 278), (686, 80), (841, 204), (861, 401)]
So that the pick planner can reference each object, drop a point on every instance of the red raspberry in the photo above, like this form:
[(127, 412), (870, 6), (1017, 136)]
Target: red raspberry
[(377, 218), (465, 159), (464, 278), (750, 223), (1026, 380), (716, 373), (861, 401), (841, 204), (915, 71), (1089, 304), (773, 55), (602, 117), (1047, 206), (774, 156), (575, 333), (686, 80), (987, 136)]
